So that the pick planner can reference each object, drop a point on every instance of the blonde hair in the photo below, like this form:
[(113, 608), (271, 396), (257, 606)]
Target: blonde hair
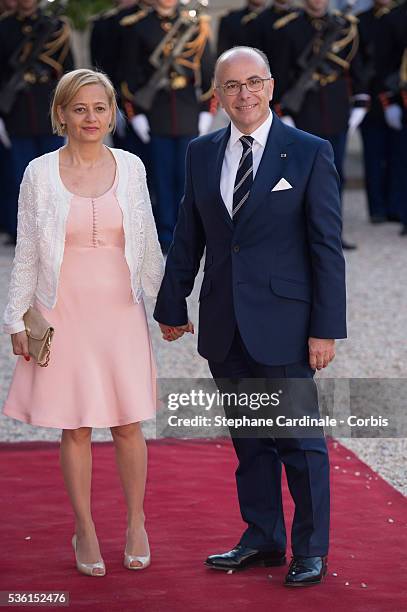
[(67, 88)]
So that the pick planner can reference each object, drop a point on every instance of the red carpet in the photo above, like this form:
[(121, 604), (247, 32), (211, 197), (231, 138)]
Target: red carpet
[(192, 511)]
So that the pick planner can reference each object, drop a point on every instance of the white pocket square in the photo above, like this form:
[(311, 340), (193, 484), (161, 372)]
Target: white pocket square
[(281, 185)]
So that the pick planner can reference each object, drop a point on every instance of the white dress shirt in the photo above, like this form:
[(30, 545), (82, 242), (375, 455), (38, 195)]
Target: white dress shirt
[(233, 153)]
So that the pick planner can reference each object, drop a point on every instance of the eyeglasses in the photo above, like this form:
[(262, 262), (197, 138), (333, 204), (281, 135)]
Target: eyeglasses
[(231, 88)]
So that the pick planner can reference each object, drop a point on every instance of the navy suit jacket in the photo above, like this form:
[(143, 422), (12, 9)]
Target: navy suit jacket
[(279, 272)]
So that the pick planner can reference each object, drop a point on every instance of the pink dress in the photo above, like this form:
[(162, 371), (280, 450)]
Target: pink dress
[(101, 372)]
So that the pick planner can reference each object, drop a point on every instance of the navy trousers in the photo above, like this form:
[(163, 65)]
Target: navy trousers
[(338, 142), (258, 475), (7, 187), (384, 165), (129, 141), (168, 165), (24, 150)]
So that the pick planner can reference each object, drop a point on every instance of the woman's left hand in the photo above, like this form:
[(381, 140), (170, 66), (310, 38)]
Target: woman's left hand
[(20, 344)]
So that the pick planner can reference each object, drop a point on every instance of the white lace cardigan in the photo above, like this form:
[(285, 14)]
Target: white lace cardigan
[(42, 213)]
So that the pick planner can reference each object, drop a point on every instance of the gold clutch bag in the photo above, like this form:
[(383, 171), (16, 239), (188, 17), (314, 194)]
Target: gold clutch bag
[(39, 333)]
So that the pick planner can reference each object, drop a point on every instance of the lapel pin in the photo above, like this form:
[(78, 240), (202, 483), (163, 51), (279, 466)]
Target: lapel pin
[(283, 154)]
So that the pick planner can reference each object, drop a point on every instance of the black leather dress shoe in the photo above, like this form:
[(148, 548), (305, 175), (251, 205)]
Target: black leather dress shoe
[(242, 557), (306, 571)]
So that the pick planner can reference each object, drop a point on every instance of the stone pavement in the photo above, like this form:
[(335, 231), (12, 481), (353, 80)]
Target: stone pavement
[(376, 347)]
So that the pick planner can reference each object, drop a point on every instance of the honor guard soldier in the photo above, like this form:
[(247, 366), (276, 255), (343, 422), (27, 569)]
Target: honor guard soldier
[(317, 63), (392, 69), (235, 28), (34, 53), (263, 36), (105, 37), (6, 173), (105, 45), (380, 142), (167, 68)]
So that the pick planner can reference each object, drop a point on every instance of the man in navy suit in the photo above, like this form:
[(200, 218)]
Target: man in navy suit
[(263, 199)]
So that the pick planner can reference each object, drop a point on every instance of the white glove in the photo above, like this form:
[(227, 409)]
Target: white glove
[(4, 137), (121, 124), (356, 117), (287, 120), (393, 116), (140, 125), (204, 122)]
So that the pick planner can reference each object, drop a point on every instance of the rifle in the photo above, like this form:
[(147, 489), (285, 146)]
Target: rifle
[(181, 33), (293, 99), (38, 37)]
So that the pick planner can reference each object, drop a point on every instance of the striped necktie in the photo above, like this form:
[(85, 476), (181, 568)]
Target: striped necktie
[(244, 176)]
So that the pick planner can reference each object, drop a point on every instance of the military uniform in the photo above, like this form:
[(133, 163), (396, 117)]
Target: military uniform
[(236, 28), (28, 122), (102, 53), (173, 116), (106, 39), (392, 60), (326, 107), (265, 37), (392, 75), (380, 142), (7, 187), (105, 49)]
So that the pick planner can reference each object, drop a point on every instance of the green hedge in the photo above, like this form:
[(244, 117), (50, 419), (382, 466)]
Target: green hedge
[(79, 11)]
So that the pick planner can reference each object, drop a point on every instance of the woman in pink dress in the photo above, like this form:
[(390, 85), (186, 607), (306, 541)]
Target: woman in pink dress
[(86, 251)]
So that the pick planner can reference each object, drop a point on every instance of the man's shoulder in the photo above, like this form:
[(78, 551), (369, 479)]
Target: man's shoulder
[(202, 142), (365, 15), (306, 140), (7, 18), (131, 20), (397, 15), (291, 21), (233, 16)]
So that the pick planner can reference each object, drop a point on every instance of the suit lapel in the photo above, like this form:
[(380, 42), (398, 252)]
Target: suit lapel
[(215, 162), (270, 170)]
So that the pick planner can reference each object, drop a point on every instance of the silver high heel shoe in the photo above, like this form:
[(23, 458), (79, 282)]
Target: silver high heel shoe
[(128, 559), (88, 568)]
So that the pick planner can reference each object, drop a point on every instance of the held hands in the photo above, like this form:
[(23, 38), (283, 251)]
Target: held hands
[(321, 352), (20, 344), (171, 333)]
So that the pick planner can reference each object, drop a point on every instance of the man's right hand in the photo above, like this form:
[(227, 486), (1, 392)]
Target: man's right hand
[(171, 333), (20, 344), (140, 125)]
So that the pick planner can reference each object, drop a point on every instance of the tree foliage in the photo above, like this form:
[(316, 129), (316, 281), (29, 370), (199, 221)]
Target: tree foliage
[(80, 11)]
